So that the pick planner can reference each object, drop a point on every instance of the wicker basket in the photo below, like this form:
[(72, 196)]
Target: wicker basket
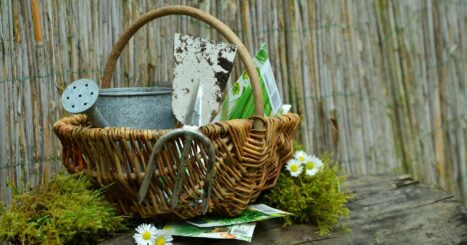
[(219, 169)]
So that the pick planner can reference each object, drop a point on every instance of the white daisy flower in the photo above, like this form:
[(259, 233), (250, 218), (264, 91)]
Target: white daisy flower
[(300, 156), (145, 234), (163, 238), (312, 165), (295, 167)]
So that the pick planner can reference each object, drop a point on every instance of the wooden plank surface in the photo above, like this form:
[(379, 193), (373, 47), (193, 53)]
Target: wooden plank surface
[(386, 209)]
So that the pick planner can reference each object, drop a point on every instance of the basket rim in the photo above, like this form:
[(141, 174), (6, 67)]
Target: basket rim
[(79, 125)]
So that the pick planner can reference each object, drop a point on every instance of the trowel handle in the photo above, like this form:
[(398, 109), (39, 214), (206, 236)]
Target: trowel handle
[(204, 17)]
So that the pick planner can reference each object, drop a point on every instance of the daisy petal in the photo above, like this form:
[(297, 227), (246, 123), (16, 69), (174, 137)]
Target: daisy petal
[(312, 165), (295, 167)]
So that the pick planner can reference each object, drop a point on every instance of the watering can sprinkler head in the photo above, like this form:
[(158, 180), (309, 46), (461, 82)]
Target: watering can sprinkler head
[(81, 97)]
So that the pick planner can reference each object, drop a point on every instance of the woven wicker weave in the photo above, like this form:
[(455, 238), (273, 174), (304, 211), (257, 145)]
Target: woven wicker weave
[(249, 153)]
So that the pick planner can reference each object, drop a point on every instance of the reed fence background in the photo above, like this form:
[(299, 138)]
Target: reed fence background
[(380, 83)]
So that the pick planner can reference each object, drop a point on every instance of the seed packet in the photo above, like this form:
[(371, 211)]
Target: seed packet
[(239, 102), (240, 227), (243, 232), (253, 213)]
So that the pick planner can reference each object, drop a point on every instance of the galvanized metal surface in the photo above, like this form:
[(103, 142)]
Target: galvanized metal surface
[(137, 107), (204, 65)]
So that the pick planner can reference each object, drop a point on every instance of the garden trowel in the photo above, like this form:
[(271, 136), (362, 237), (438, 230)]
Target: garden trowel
[(201, 71)]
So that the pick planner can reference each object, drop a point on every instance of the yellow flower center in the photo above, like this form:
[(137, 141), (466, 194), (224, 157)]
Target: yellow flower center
[(147, 235), (309, 165), (294, 168), (301, 158), (160, 241)]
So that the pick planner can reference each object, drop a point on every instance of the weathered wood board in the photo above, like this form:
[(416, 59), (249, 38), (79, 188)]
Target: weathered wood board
[(386, 209)]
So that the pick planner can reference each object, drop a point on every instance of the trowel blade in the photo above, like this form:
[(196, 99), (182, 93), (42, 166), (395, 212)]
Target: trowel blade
[(200, 64)]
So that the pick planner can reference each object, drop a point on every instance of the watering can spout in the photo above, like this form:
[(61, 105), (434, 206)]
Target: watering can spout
[(81, 97)]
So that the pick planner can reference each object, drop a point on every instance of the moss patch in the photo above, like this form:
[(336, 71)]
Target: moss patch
[(315, 200), (64, 211)]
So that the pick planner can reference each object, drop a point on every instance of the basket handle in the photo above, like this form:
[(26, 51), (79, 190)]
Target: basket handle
[(204, 17)]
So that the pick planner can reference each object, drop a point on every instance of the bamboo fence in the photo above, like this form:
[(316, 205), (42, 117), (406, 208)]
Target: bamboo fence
[(379, 83)]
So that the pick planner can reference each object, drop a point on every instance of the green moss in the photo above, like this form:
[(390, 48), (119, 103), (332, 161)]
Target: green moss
[(64, 211), (314, 200)]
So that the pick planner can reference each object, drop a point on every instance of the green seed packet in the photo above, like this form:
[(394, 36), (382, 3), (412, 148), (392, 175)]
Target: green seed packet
[(243, 232), (240, 227), (254, 212), (239, 102)]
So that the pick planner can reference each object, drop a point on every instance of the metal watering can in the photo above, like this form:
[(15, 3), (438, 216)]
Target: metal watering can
[(136, 107), (139, 107)]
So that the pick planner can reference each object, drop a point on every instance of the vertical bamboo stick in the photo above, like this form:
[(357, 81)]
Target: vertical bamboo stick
[(23, 70), (4, 190), (246, 25)]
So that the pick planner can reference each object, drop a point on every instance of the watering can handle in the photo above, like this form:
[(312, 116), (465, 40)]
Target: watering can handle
[(204, 17)]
